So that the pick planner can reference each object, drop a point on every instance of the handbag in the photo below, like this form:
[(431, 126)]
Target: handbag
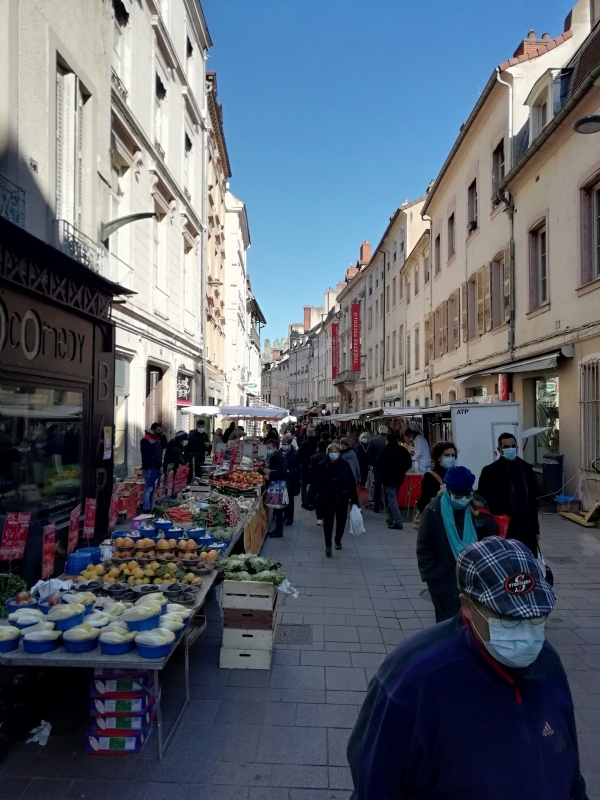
[(276, 495)]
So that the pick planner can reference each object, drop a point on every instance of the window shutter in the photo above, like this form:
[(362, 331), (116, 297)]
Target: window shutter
[(533, 293), (465, 312), (587, 209), (480, 301), (59, 143), (506, 285), (444, 328), (487, 296), (430, 335), (456, 321)]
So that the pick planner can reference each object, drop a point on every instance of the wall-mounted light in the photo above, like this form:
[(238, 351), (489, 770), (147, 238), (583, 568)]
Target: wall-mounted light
[(589, 124)]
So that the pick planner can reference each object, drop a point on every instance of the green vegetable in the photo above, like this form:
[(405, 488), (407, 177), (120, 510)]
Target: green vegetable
[(10, 585)]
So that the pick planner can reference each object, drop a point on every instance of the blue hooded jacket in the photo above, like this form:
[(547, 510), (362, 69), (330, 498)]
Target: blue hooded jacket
[(443, 721)]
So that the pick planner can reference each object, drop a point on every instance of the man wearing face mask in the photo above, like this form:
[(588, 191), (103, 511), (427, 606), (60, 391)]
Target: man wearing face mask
[(284, 465), (197, 445), (509, 487), (452, 521), (478, 707)]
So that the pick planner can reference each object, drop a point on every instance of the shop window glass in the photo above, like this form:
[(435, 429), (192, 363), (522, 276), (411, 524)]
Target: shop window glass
[(546, 416), (40, 450)]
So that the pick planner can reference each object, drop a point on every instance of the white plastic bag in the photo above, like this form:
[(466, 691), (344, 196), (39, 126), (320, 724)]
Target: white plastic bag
[(41, 734), (356, 521)]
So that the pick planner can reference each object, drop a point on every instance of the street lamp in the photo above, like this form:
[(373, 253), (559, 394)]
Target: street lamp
[(589, 124)]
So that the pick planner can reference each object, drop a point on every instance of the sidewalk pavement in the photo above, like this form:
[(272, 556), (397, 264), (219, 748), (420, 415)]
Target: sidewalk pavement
[(282, 734)]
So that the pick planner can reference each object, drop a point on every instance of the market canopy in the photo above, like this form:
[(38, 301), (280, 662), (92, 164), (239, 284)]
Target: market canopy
[(201, 411), (252, 412)]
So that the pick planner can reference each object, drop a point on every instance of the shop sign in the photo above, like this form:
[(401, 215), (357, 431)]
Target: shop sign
[(14, 535), (48, 548), (89, 520), (335, 350), (355, 321), (391, 387), (73, 529), (34, 334), (184, 389)]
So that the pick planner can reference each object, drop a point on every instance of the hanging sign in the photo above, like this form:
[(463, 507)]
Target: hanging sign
[(89, 520), (184, 389), (14, 535), (355, 322), (335, 350), (48, 548), (73, 529)]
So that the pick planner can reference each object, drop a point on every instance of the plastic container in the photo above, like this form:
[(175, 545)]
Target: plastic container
[(94, 553), (24, 627), (10, 645), (205, 539), (88, 608), (41, 647), (144, 624), (163, 525), (12, 606), (145, 651), (65, 624), (220, 547), (113, 649), (80, 647)]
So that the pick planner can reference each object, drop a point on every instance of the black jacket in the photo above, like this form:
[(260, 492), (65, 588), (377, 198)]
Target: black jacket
[(435, 558), (332, 486), (496, 488), (286, 466), (375, 448), (197, 445), (392, 465), (227, 433), (430, 486), (307, 449), (173, 454), (363, 462), (151, 452), (314, 463)]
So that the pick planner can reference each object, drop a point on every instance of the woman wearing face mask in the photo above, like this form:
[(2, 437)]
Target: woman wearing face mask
[(350, 456), (450, 522), (331, 491), (361, 454), (444, 457)]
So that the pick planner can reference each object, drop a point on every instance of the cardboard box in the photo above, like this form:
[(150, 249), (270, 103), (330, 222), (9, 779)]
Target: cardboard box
[(231, 658), (97, 743), (137, 522), (120, 706), (117, 725)]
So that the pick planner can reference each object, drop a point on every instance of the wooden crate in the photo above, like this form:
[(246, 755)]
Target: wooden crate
[(250, 618), (249, 594), (231, 658), (245, 639)]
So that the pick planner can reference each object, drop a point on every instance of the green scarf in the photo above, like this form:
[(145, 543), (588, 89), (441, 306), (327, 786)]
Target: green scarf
[(469, 534)]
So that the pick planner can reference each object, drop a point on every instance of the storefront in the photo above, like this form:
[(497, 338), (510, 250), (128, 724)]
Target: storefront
[(56, 386)]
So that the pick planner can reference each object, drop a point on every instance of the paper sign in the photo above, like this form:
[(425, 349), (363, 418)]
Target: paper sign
[(14, 535), (181, 477), (73, 529), (113, 512), (169, 483), (107, 442), (89, 521), (49, 545)]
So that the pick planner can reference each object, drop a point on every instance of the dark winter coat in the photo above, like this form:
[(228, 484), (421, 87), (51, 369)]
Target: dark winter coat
[(307, 449), (392, 465), (286, 466), (363, 462), (197, 445), (430, 486), (332, 486), (314, 463), (151, 451), (497, 487), (375, 448), (174, 454)]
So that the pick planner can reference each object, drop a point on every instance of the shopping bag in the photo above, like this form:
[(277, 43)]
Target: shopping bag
[(356, 521), (416, 519), (363, 496), (276, 495)]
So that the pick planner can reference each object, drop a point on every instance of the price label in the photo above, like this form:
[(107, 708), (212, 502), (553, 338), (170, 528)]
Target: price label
[(89, 520), (14, 535), (48, 548), (73, 529)]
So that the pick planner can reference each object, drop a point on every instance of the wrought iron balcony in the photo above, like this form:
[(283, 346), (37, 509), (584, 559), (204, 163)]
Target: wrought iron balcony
[(346, 376), (118, 271), (79, 246), (118, 84), (12, 202)]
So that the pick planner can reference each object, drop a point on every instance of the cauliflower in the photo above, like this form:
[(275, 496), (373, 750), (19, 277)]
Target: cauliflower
[(155, 638)]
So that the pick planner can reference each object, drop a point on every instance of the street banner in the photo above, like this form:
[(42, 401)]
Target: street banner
[(89, 520), (73, 529), (335, 350), (14, 535), (355, 322), (48, 548)]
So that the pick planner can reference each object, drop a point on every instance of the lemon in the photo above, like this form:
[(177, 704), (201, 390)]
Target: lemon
[(157, 581), (138, 582), (99, 569), (138, 573), (146, 580), (114, 572), (80, 579), (131, 579)]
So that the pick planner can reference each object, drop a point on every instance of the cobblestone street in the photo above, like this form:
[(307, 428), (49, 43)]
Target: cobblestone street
[(282, 734)]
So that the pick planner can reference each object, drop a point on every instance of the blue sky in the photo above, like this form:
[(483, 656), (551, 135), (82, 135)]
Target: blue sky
[(337, 110)]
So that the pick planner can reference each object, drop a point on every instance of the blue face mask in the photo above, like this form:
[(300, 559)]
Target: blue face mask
[(334, 456), (448, 461), (517, 646), (285, 447), (459, 503), (509, 453)]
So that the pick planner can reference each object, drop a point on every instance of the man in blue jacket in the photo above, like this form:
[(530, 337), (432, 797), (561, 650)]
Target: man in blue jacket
[(477, 707)]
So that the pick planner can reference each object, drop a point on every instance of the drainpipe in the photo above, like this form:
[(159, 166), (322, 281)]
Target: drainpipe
[(510, 209), (510, 118)]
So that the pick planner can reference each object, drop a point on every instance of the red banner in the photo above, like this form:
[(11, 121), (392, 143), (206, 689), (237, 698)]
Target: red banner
[(355, 322), (335, 350), (503, 387), (181, 477), (89, 521), (49, 546), (113, 511), (14, 535), (73, 529)]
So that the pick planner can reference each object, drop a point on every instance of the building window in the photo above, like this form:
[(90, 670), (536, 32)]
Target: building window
[(370, 366), (376, 360), (426, 266), (416, 273), (497, 287), (189, 60), (538, 267), (539, 114), (452, 344), (370, 317), (401, 346), (187, 161), (590, 234), (472, 220), (498, 167), (417, 350), (451, 237), (426, 344), (401, 288), (387, 298), (471, 310), (589, 398), (70, 147), (394, 256), (438, 399), (160, 97), (393, 349), (376, 311), (408, 343), (120, 19), (370, 285), (437, 253), (408, 290), (394, 282)]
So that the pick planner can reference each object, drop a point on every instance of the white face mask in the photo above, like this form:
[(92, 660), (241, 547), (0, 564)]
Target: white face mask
[(285, 447), (517, 646), (460, 502), (364, 439), (334, 456), (448, 461)]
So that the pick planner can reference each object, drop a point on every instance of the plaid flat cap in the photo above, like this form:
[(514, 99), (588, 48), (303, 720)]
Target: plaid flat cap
[(504, 576)]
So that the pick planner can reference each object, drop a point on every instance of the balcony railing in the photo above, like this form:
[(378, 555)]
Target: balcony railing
[(255, 338), (161, 303), (118, 271), (79, 246), (12, 202), (346, 376), (119, 85)]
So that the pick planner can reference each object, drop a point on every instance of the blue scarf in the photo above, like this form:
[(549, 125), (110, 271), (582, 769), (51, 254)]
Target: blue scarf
[(469, 535)]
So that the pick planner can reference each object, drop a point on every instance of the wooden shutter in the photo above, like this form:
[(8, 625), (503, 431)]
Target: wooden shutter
[(59, 143), (487, 296), (506, 285), (444, 328), (456, 320), (429, 329), (480, 301), (465, 312)]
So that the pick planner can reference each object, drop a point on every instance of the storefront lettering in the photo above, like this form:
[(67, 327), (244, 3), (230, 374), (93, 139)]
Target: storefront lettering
[(36, 338)]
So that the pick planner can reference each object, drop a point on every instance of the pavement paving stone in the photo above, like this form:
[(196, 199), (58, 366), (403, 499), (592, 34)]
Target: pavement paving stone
[(295, 747)]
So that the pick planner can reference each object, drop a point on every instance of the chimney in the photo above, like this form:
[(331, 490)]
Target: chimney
[(276, 354), (529, 45), (306, 318), (351, 272), (365, 253)]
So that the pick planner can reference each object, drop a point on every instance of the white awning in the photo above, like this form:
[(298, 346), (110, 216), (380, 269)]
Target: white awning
[(201, 411), (545, 362)]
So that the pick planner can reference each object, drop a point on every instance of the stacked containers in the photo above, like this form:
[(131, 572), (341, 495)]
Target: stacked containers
[(122, 710), (249, 620)]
